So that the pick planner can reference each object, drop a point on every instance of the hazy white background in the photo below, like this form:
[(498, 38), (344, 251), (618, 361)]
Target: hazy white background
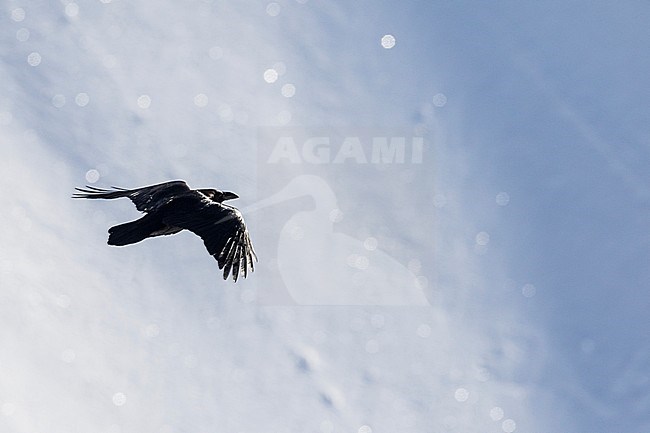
[(529, 223)]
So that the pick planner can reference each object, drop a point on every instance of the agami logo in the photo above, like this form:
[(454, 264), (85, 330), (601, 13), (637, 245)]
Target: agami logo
[(351, 149), (329, 243)]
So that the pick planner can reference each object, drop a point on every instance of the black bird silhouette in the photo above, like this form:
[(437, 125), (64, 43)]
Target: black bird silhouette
[(170, 207)]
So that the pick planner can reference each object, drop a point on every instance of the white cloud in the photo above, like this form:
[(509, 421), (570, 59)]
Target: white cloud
[(148, 337)]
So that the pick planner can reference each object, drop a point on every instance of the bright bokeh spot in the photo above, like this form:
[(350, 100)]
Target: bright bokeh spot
[(461, 395), (509, 425), (358, 261), (72, 9), (273, 9), (362, 262), (270, 75), (92, 175), (34, 59), (22, 34), (528, 290), (151, 331), (82, 99), (388, 41), (144, 101), (415, 266), (336, 215), (424, 330), (18, 14), (119, 399), (225, 112), (482, 238), (58, 100), (288, 90), (496, 413), (370, 244), (503, 199), (439, 99), (201, 100)]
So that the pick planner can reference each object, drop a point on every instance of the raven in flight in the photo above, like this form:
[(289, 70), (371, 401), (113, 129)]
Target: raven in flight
[(170, 207)]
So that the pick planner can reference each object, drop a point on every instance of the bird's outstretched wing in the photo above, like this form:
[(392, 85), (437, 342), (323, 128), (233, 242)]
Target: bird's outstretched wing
[(222, 229), (146, 199)]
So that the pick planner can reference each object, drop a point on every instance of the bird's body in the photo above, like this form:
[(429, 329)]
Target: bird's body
[(171, 207)]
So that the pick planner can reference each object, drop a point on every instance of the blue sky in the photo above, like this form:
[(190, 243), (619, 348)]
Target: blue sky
[(525, 227)]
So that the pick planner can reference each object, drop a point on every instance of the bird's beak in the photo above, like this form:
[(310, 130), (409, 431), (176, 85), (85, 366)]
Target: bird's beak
[(227, 195)]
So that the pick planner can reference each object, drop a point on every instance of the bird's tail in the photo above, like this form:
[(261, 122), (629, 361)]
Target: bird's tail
[(134, 231)]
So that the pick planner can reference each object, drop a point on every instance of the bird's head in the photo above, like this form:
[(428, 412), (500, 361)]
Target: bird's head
[(218, 196)]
